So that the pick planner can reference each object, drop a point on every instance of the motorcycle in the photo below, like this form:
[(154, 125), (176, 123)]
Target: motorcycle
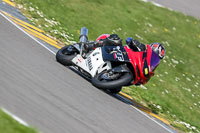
[(109, 67)]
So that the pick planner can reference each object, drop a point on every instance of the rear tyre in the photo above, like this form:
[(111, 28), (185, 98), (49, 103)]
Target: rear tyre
[(65, 55)]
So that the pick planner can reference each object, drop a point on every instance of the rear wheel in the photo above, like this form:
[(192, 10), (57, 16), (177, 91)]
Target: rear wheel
[(112, 81), (66, 54)]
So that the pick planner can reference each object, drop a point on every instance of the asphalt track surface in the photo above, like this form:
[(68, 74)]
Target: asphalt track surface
[(54, 99), (188, 7)]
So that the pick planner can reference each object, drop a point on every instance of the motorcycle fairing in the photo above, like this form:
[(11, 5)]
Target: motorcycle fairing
[(141, 62), (115, 53), (94, 62)]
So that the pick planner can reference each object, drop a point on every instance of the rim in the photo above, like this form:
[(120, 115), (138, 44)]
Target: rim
[(108, 76)]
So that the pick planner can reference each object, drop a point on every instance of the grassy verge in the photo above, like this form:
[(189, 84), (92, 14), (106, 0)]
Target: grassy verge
[(9, 125), (174, 91)]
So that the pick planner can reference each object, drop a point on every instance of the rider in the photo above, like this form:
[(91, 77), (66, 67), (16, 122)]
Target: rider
[(115, 40), (158, 52)]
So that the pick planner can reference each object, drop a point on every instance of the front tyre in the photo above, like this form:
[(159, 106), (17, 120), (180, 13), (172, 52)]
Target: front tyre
[(66, 54), (111, 80), (115, 91)]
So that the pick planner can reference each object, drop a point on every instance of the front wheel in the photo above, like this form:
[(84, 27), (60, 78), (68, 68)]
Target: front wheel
[(111, 80), (115, 91), (66, 54)]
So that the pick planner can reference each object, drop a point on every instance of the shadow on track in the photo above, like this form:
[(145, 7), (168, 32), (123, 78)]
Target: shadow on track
[(116, 96)]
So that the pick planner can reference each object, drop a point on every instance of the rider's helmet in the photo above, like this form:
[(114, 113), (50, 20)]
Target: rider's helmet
[(159, 49), (114, 39)]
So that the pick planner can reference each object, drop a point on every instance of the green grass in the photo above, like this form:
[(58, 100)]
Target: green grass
[(9, 125), (175, 87)]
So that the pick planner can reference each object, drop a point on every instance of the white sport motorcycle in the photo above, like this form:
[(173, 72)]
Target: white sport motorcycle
[(108, 67)]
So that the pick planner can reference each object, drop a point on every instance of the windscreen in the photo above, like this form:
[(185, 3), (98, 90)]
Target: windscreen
[(155, 60)]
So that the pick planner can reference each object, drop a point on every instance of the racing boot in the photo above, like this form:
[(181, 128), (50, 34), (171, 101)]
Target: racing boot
[(135, 45)]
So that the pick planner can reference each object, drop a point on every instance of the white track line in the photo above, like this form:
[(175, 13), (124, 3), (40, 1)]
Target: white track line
[(151, 118), (144, 0), (27, 33), (154, 3), (15, 117), (55, 54)]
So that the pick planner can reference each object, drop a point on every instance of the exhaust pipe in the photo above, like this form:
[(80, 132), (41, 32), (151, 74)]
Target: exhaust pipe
[(84, 35)]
